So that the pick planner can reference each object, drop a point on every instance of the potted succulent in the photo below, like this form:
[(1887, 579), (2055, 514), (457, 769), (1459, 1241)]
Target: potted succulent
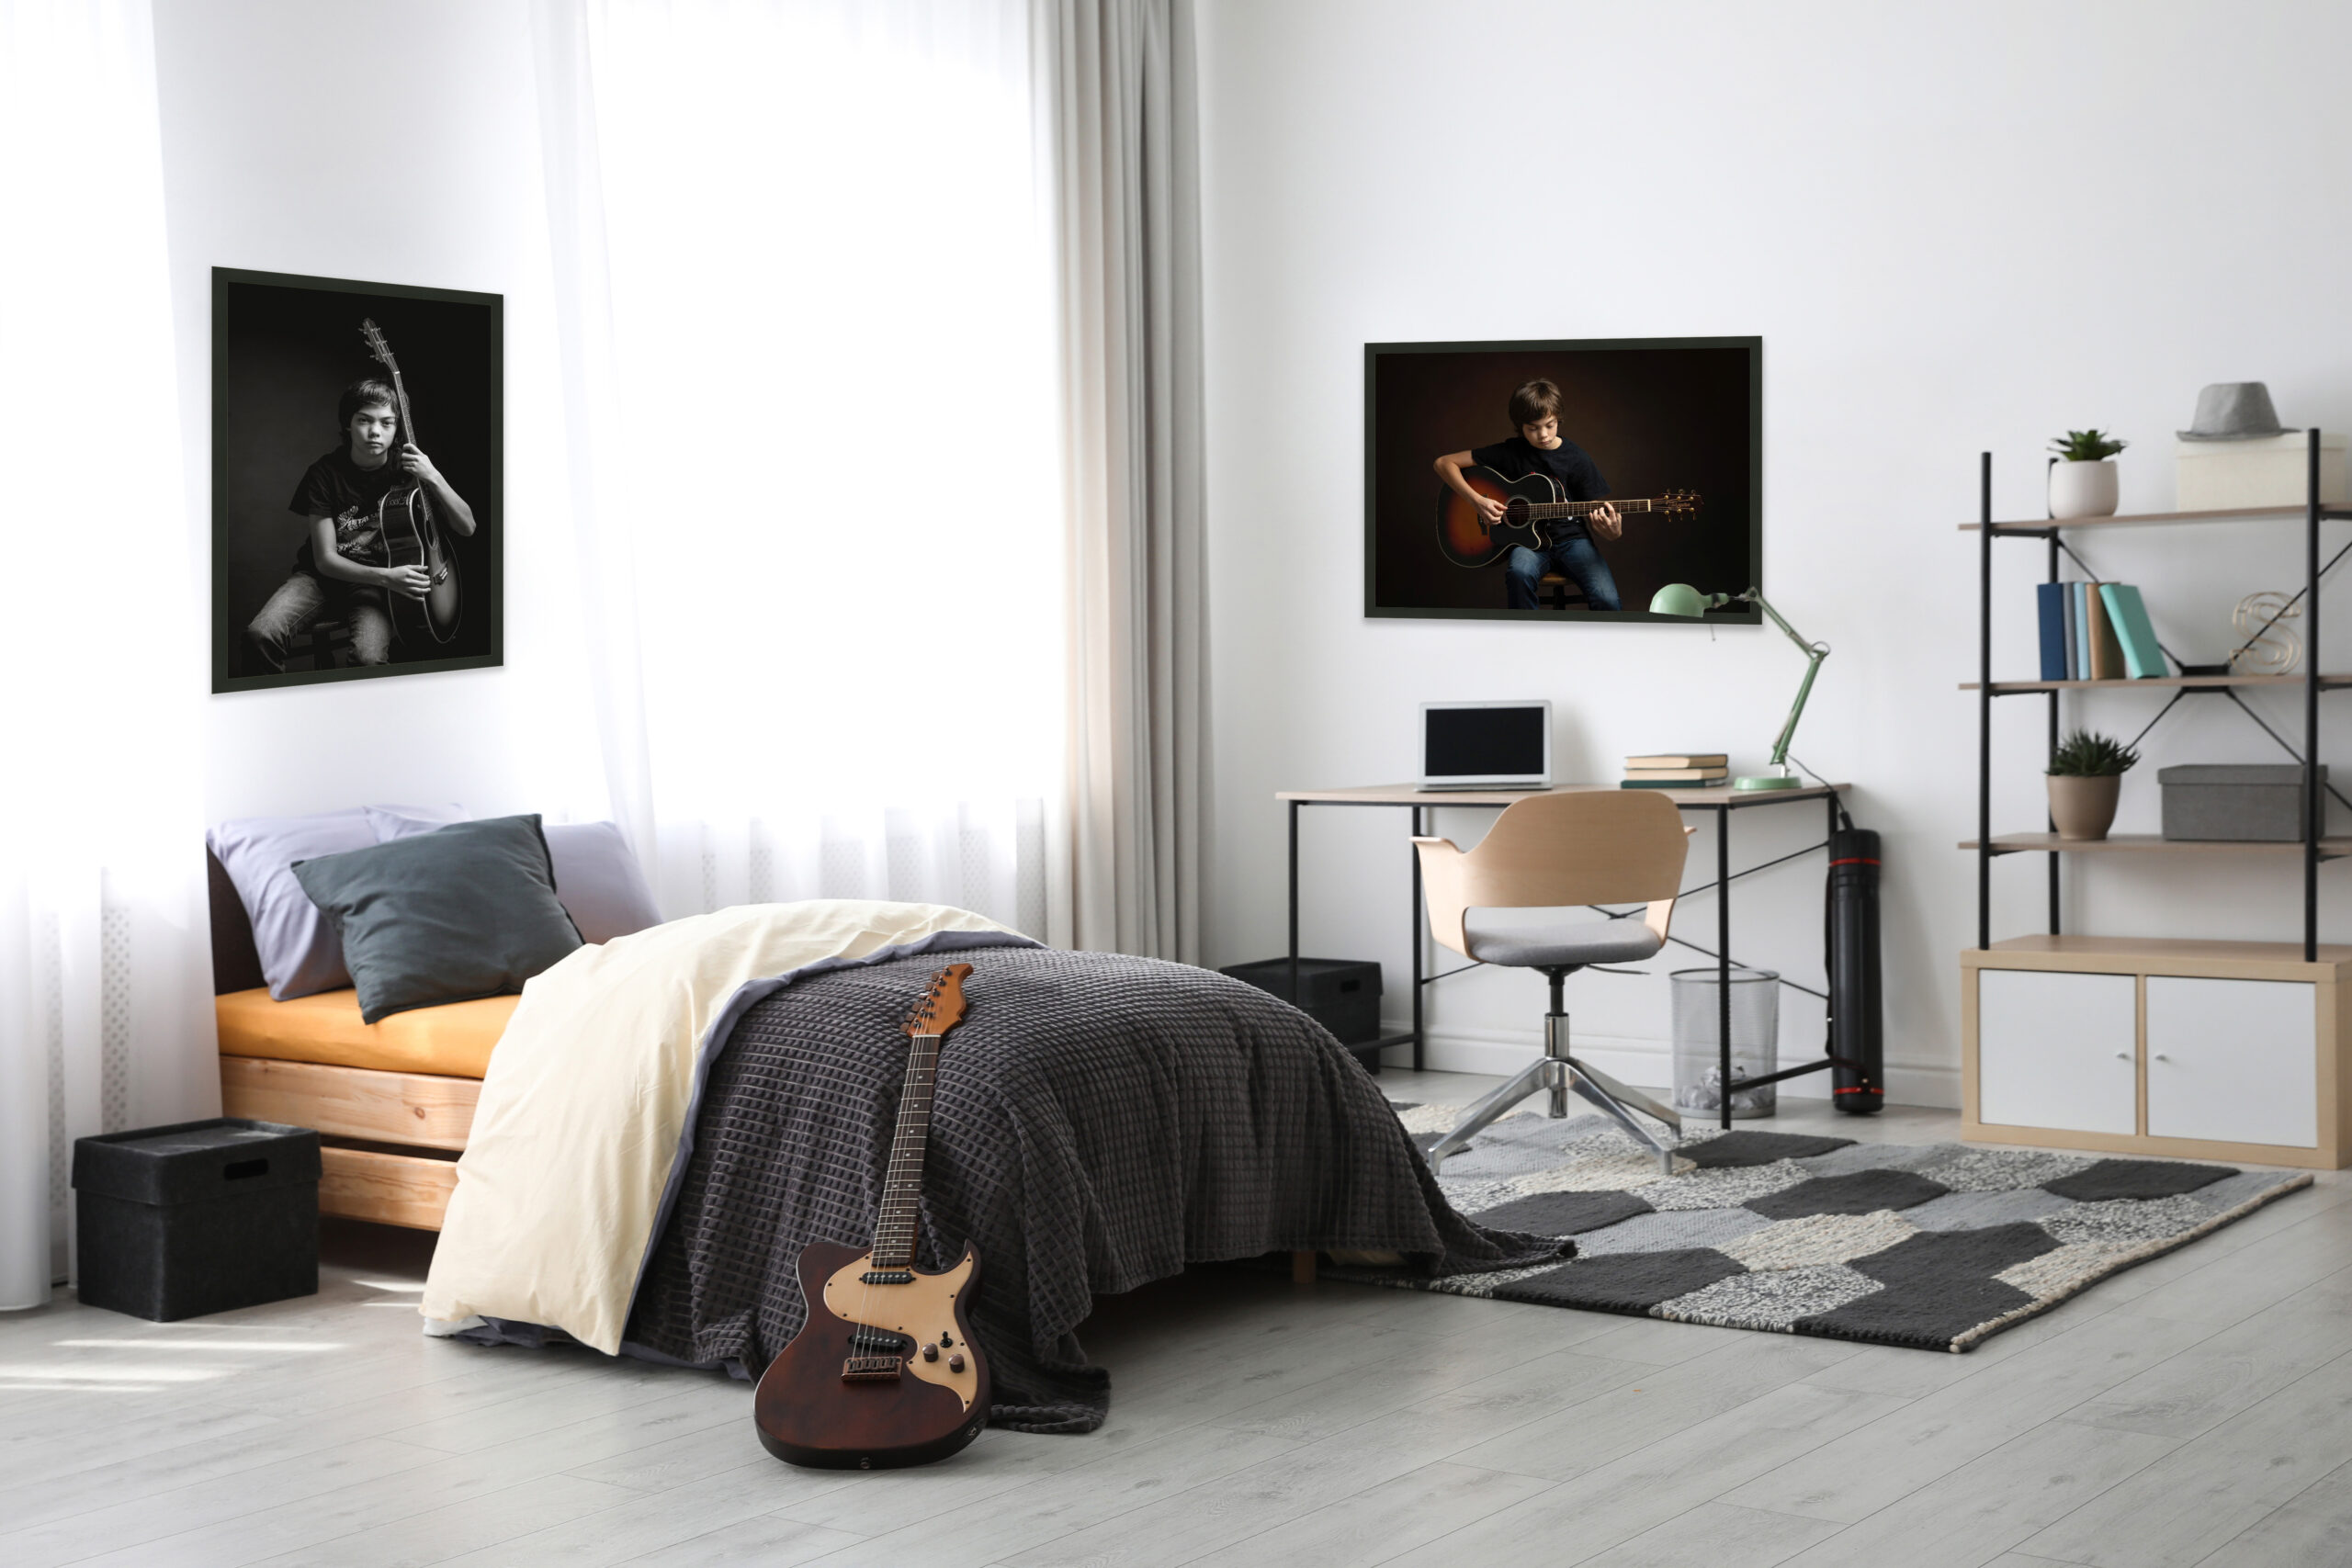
[(2085, 776), (2082, 481)]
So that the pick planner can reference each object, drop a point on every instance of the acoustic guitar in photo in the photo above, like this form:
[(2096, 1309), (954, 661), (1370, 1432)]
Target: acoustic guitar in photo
[(412, 534), (884, 1372), (1532, 504)]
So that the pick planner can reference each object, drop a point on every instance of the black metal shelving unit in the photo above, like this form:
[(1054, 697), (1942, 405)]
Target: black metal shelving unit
[(2315, 846)]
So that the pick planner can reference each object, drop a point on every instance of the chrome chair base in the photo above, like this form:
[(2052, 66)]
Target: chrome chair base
[(1559, 1071)]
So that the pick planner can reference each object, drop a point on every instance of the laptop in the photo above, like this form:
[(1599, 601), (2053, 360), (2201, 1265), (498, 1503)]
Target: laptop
[(1487, 745)]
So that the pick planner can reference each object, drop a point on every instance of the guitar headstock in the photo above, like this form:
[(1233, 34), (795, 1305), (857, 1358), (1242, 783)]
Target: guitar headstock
[(376, 347), (942, 1008), (1678, 503)]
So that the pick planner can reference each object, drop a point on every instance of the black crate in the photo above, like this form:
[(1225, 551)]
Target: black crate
[(1340, 994), (200, 1217)]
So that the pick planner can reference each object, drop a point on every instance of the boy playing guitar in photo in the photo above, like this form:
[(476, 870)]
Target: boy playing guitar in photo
[(344, 567), (1539, 448)]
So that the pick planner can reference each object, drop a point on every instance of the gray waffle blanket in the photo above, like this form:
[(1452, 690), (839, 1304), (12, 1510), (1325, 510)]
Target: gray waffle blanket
[(1100, 1121)]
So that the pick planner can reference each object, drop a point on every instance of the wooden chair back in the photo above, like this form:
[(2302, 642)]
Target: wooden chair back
[(1556, 850)]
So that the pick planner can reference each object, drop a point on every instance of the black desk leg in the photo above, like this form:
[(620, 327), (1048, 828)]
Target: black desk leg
[(1294, 901), (1722, 954), (1417, 941)]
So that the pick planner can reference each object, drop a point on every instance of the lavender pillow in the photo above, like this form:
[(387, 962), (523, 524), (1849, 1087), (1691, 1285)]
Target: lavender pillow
[(597, 880), (301, 954)]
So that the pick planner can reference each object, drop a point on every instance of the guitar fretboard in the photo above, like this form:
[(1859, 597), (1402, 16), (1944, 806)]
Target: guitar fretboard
[(1539, 511), (894, 1232)]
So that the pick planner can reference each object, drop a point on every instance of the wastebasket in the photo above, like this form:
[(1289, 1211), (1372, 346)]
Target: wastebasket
[(1755, 1041)]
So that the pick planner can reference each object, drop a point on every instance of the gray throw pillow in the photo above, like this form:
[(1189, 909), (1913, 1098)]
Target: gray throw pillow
[(464, 911), (601, 887)]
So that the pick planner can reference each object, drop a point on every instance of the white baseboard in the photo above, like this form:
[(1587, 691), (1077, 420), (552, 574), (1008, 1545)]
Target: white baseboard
[(1643, 1063)]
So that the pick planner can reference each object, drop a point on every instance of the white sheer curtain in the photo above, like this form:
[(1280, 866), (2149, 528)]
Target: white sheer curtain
[(806, 287), (106, 1017)]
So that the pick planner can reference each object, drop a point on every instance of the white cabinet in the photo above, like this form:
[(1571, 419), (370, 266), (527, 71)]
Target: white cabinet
[(2233, 1061), (2057, 1050)]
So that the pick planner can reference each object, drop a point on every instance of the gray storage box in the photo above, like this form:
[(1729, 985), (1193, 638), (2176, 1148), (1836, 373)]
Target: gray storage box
[(2243, 802)]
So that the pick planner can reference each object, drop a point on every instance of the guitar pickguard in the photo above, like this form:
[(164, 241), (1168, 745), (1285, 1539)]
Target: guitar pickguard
[(924, 1309)]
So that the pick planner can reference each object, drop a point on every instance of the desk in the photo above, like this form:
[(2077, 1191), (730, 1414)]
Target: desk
[(1722, 802)]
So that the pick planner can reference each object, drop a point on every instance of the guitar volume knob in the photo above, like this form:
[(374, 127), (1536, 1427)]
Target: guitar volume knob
[(930, 1352), (955, 1363)]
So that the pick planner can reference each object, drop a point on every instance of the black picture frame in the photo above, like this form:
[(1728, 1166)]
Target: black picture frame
[(1749, 505), (281, 353)]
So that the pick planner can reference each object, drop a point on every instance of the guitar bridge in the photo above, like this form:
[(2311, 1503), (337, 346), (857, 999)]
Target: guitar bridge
[(870, 1369)]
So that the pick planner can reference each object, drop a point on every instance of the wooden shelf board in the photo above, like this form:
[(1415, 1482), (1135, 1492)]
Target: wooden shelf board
[(2157, 519), (2327, 682), (2161, 949), (2151, 843)]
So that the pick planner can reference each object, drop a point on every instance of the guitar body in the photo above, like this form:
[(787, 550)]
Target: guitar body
[(1465, 535), (900, 1409), (412, 537)]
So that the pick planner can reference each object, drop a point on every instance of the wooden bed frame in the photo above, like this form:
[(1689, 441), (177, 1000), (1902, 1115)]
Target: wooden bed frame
[(388, 1141)]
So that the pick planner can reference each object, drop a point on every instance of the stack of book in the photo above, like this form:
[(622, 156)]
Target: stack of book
[(2096, 631), (1677, 770)]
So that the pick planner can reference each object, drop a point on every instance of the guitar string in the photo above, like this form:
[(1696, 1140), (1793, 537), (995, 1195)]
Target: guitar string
[(884, 1226)]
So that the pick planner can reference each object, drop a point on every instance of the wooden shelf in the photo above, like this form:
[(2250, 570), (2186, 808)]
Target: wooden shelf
[(2155, 954), (2151, 843), (2000, 688), (2158, 519)]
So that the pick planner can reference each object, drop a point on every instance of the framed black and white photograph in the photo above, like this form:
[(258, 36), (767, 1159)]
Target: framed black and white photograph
[(1561, 482), (356, 479)]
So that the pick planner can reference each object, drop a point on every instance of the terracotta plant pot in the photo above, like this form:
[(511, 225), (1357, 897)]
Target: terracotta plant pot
[(2082, 489), (2082, 804)]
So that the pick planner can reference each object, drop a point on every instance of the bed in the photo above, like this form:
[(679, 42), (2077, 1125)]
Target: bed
[(392, 1102), (640, 1179)]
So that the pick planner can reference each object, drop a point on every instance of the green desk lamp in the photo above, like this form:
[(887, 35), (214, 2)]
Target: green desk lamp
[(1681, 599)]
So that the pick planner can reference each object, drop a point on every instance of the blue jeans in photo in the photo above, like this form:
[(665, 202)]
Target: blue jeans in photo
[(301, 598), (1575, 559)]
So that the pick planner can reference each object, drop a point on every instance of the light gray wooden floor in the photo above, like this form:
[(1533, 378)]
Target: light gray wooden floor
[(2196, 1410)]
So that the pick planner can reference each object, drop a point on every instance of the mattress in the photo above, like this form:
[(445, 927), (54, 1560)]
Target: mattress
[(454, 1040)]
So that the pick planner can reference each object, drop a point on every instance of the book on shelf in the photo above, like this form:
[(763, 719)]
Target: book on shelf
[(2129, 616), (2066, 605), (2107, 653), (1679, 759), (2050, 609), (1710, 782), (2082, 644)]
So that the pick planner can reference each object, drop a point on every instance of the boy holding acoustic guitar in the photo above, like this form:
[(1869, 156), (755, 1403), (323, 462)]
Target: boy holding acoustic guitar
[(1538, 448)]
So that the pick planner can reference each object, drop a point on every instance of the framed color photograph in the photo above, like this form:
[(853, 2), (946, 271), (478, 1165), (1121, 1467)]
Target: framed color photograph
[(1561, 482), (358, 479)]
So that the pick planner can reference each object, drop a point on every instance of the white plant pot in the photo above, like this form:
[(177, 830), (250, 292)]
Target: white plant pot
[(2082, 489)]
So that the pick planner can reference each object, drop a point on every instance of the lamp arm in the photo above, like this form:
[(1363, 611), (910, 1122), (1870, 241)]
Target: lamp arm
[(1815, 652)]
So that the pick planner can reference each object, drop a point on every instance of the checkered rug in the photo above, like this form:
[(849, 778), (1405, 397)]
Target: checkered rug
[(1936, 1246)]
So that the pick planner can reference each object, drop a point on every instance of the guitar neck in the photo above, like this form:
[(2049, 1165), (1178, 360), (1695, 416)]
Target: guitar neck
[(1539, 511), (894, 1232), (407, 420)]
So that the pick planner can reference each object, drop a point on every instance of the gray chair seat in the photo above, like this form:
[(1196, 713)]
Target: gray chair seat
[(1552, 938)]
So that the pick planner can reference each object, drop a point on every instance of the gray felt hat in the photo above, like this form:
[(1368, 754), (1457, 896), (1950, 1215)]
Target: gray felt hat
[(2234, 411)]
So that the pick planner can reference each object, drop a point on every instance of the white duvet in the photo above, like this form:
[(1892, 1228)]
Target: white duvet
[(586, 1096)]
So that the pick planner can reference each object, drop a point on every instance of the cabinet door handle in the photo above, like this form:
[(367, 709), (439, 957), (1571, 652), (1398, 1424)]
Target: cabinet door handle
[(2162, 1057), (2126, 1055)]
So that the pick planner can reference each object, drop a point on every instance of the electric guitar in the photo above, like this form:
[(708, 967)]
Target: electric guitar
[(1468, 540), (884, 1372), (412, 534)]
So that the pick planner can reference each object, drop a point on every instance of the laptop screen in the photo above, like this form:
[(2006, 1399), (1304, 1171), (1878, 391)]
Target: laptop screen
[(1484, 742)]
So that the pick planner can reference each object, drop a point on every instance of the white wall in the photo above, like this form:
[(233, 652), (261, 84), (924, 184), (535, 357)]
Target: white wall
[(1956, 228), (400, 145)]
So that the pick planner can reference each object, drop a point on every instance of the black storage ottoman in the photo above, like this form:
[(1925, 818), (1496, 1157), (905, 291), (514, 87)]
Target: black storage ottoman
[(1340, 994), (201, 1217)]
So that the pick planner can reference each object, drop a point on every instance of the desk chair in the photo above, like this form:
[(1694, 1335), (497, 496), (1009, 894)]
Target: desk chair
[(1513, 901)]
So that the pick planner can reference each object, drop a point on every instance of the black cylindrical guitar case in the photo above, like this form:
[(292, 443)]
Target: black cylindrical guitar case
[(1856, 1023)]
